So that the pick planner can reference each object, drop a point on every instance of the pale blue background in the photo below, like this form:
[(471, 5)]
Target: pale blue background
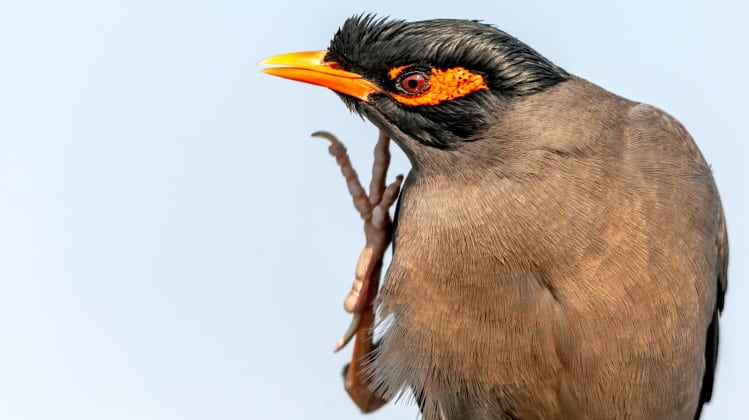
[(173, 245)]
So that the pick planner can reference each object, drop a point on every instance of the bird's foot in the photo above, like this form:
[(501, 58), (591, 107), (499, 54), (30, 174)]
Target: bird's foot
[(374, 210)]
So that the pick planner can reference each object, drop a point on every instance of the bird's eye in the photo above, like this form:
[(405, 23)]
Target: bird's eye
[(413, 83)]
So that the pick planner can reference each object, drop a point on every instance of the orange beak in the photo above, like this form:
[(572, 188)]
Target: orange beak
[(310, 67)]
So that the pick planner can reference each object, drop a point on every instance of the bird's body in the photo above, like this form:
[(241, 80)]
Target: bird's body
[(561, 281), (559, 253)]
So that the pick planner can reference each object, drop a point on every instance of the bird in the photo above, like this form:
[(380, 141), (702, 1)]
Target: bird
[(559, 251)]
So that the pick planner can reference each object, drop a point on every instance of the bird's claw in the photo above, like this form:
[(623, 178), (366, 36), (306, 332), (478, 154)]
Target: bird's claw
[(350, 332), (374, 210)]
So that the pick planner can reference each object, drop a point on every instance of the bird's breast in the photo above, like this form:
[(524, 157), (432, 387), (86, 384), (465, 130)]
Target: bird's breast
[(467, 307)]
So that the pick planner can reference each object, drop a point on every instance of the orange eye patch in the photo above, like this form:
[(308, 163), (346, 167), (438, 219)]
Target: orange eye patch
[(443, 85)]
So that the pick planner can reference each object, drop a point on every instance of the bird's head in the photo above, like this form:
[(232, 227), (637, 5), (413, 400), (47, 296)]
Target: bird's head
[(433, 84)]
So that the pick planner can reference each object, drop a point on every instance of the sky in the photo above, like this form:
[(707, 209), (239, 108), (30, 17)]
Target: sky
[(174, 245)]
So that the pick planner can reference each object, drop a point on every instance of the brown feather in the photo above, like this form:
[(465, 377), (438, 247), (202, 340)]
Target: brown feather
[(564, 265)]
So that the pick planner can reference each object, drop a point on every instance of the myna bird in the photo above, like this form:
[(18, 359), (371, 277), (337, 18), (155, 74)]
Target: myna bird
[(559, 252)]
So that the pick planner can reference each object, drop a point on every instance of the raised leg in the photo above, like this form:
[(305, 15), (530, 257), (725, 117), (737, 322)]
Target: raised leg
[(374, 210)]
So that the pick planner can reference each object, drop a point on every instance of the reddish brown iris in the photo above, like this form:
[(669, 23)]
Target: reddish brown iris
[(414, 83)]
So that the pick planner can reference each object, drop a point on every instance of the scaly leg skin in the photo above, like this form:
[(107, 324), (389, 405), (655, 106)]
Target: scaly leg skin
[(374, 210)]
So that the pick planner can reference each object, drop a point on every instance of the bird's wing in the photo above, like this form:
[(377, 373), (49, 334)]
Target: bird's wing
[(720, 272), (713, 335)]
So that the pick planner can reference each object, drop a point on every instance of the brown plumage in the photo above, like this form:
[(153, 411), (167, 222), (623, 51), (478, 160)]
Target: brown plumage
[(559, 252)]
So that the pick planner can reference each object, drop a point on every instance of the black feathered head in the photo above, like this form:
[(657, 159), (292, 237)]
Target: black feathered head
[(439, 82)]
